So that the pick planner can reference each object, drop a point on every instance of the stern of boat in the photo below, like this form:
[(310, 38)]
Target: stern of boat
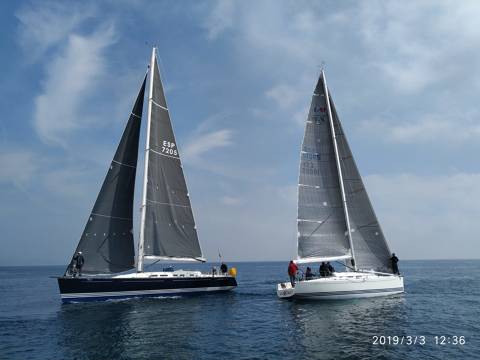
[(285, 290)]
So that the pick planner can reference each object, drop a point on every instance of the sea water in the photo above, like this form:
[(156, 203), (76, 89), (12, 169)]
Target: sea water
[(441, 307)]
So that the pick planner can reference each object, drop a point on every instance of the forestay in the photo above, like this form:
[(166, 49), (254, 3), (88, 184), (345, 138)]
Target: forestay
[(322, 230), (107, 240)]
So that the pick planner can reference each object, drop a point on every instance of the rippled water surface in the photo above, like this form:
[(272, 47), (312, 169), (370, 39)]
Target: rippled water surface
[(443, 298)]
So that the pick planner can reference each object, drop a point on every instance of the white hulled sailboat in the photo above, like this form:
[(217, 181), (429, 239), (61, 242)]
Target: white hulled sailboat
[(336, 221)]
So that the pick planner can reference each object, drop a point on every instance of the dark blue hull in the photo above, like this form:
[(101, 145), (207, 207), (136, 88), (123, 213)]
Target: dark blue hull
[(97, 289)]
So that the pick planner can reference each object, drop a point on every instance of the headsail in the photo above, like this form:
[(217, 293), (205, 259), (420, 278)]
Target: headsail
[(371, 249), (322, 230), (168, 227), (107, 241)]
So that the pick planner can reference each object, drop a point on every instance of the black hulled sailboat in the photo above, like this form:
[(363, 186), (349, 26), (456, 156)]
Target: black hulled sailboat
[(167, 228)]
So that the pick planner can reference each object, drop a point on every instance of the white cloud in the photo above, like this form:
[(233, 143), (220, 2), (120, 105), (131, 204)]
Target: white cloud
[(418, 44), (48, 23), (220, 18), (443, 129), (284, 95), (231, 200), (71, 77), (261, 227), (70, 183), (203, 143), (18, 167), (411, 45), (428, 216)]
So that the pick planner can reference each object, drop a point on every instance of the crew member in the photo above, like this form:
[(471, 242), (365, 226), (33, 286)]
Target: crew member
[(394, 261), (323, 269), (330, 268), (223, 268), (308, 274), (292, 272), (78, 262)]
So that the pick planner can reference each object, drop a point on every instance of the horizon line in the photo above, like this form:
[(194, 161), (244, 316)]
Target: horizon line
[(252, 261)]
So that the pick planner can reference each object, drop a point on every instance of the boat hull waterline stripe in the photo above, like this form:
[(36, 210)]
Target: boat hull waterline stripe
[(116, 294), (351, 292)]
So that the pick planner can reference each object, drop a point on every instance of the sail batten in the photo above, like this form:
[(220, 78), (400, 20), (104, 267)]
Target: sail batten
[(107, 240)]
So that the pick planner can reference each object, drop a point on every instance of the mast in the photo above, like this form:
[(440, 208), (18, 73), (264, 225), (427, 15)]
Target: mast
[(340, 176), (141, 241)]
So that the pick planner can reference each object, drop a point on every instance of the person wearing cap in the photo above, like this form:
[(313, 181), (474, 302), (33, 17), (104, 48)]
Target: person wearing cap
[(78, 262)]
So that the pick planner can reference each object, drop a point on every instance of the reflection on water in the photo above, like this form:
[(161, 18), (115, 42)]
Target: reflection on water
[(249, 323), (347, 326), (163, 327)]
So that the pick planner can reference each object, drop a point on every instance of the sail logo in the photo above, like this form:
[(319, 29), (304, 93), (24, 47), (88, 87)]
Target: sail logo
[(308, 168), (319, 109), (169, 148)]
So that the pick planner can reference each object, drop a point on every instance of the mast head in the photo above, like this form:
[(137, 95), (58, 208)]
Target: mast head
[(321, 68)]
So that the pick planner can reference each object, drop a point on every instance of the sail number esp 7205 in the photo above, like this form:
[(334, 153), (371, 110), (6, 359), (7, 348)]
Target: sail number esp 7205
[(169, 148)]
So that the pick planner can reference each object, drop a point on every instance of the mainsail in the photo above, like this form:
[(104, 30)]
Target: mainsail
[(107, 240), (328, 229), (322, 230), (371, 249), (167, 225)]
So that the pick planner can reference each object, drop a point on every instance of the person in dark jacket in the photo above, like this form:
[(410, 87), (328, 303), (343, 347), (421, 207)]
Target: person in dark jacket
[(330, 268), (308, 274), (223, 268), (394, 261), (292, 272), (323, 269), (78, 262)]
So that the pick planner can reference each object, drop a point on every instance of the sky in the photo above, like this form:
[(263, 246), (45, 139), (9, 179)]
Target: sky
[(238, 77)]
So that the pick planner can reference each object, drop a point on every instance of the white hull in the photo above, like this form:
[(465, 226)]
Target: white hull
[(346, 285)]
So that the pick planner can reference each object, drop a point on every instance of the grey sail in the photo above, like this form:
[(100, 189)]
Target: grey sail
[(322, 230), (370, 246), (107, 240), (169, 226)]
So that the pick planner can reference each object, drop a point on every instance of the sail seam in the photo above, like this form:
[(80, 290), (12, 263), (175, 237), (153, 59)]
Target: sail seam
[(120, 163), (160, 106), (171, 204), (159, 153), (110, 217), (312, 186), (309, 152), (313, 221), (137, 116), (318, 186)]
